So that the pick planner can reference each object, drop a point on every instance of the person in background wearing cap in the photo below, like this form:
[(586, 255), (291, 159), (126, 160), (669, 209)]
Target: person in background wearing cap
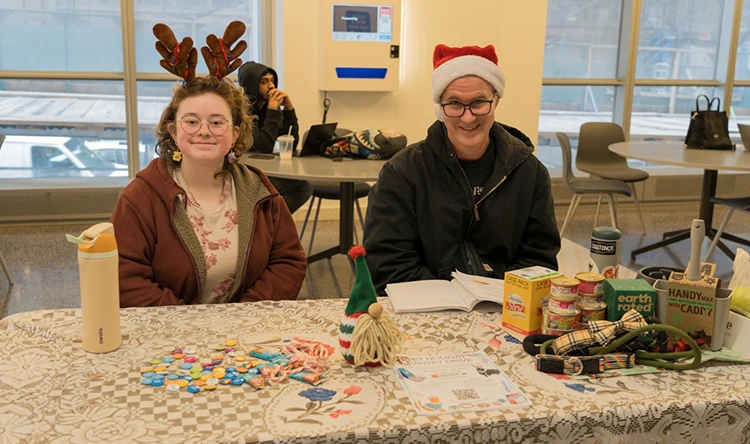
[(259, 82), (471, 196)]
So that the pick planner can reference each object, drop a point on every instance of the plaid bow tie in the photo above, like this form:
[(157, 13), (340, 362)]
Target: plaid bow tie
[(605, 331), (599, 332)]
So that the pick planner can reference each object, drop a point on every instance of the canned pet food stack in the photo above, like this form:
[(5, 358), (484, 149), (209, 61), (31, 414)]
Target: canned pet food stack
[(561, 315), (590, 291)]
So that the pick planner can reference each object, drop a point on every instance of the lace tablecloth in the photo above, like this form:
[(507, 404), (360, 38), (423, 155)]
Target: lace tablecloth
[(52, 391)]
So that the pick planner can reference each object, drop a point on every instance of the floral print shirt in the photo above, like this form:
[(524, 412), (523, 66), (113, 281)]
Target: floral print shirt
[(217, 233)]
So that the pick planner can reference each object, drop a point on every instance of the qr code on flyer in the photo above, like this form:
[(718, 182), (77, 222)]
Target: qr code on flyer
[(465, 394)]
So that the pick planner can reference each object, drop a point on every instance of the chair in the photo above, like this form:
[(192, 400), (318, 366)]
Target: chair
[(744, 135), (325, 190), (580, 187), (2, 260), (739, 203), (595, 158), (5, 269)]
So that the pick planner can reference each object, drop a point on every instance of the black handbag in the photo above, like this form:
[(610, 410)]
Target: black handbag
[(708, 130)]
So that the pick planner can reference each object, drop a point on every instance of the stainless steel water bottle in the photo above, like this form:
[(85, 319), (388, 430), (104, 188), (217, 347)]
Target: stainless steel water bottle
[(100, 288), (605, 252)]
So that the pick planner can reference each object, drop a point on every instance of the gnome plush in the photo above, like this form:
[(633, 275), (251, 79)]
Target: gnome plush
[(367, 336)]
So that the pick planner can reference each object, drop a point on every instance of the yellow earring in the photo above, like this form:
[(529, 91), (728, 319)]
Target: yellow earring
[(177, 155)]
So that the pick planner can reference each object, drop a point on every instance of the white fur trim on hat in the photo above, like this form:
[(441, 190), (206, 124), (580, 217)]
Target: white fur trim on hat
[(468, 65)]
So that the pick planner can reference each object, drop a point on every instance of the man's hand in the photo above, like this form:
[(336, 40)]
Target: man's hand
[(276, 98), (287, 103)]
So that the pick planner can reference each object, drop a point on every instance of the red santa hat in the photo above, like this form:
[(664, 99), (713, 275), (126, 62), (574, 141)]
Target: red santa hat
[(451, 63)]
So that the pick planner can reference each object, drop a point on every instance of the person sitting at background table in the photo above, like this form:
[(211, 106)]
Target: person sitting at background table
[(259, 82), (196, 226), (471, 196)]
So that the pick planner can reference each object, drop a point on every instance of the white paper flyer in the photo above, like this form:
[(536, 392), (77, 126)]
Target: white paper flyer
[(456, 383)]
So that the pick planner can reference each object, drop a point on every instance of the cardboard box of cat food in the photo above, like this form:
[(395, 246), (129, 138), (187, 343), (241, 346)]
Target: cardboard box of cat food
[(522, 303)]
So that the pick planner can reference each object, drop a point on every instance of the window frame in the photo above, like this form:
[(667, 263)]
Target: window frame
[(625, 82), (129, 76)]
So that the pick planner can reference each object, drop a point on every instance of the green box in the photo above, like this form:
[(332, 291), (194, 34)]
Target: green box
[(623, 295)]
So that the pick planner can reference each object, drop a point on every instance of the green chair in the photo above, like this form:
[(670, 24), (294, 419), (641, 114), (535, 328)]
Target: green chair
[(590, 186), (5, 269), (595, 158)]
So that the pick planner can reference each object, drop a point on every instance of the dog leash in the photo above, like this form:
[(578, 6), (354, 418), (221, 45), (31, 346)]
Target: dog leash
[(601, 359)]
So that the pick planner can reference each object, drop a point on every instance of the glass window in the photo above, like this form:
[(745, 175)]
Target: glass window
[(582, 39), (153, 97), (54, 128), (196, 20), (565, 109), (742, 67), (740, 112), (679, 39), (56, 36), (664, 111)]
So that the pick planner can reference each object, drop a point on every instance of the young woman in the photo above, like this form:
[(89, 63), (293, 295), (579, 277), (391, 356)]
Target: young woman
[(198, 227)]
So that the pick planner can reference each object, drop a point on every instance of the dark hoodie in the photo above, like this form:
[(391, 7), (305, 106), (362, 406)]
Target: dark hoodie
[(423, 222), (271, 123)]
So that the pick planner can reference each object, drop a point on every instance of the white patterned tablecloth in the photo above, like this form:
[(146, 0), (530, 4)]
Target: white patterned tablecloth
[(53, 391)]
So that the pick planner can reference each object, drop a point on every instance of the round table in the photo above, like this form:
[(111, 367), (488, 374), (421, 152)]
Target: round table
[(710, 161), (344, 171)]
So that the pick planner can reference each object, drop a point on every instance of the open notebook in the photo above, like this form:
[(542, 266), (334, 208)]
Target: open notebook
[(463, 292)]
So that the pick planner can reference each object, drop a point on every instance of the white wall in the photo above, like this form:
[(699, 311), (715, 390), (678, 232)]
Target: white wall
[(515, 28)]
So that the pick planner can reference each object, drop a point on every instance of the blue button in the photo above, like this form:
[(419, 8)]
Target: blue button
[(173, 376), (237, 381), (186, 365), (148, 374), (157, 382), (360, 73), (146, 381), (167, 359), (193, 389)]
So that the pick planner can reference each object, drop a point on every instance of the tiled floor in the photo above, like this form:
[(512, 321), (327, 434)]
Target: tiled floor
[(44, 265)]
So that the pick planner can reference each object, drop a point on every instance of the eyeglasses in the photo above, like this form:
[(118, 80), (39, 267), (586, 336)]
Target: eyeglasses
[(457, 109), (217, 125)]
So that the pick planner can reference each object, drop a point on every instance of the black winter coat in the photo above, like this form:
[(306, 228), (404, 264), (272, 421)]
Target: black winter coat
[(423, 222)]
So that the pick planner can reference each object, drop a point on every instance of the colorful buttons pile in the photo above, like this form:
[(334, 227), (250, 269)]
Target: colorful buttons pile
[(197, 376)]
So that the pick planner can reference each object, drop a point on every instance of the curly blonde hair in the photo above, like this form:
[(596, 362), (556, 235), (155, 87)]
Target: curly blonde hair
[(239, 107)]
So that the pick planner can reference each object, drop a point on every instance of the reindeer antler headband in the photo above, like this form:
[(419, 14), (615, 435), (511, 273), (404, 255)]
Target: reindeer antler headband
[(180, 58)]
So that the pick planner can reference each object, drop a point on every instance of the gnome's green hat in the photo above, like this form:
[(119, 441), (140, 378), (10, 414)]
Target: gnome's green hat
[(363, 293)]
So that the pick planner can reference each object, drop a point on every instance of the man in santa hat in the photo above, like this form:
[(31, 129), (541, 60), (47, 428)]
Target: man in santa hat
[(471, 196)]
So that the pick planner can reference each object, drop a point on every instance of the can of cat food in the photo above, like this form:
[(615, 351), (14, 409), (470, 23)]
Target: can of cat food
[(604, 257), (589, 300), (562, 305), (556, 321), (550, 331), (563, 287), (590, 283), (592, 313)]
